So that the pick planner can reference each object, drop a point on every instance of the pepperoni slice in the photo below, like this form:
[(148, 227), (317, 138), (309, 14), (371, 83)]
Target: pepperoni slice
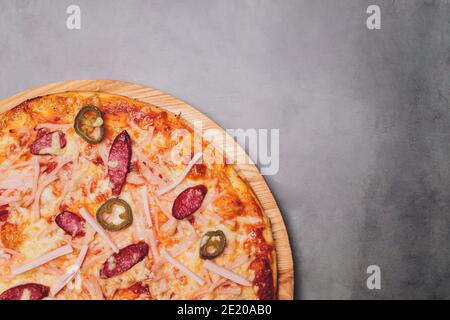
[(45, 144), (4, 213), (188, 201), (29, 291), (124, 260), (119, 161), (71, 223)]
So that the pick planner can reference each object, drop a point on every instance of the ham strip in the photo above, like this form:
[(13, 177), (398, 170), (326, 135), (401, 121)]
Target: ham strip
[(170, 226), (234, 290), (21, 165), (148, 218), (183, 246), (92, 286), (9, 200), (236, 263), (149, 176), (144, 197), (12, 159), (37, 197), (52, 255), (153, 245), (182, 268), (46, 180), (37, 170), (11, 252), (139, 226), (198, 294), (17, 182), (148, 168), (99, 229), (68, 187), (211, 200), (103, 151), (162, 208), (71, 272), (181, 177), (149, 132), (226, 273), (136, 179)]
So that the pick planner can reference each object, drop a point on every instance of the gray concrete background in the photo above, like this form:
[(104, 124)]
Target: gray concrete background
[(364, 115)]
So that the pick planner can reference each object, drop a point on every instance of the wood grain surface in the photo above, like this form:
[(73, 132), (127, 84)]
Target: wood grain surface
[(246, 168)]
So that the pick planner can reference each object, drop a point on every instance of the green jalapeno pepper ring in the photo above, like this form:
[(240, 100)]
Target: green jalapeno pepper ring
[(84, 126), (107, 207), (212, 244)]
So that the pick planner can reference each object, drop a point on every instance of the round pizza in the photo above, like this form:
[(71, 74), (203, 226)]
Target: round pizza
[(106, 197)]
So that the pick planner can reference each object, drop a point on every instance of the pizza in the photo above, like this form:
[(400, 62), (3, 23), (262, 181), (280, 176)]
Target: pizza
[(106, 197)]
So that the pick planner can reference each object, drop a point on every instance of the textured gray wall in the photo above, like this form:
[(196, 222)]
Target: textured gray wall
[(364, 115)]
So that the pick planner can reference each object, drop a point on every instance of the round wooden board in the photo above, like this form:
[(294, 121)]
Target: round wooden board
[(247, 171)]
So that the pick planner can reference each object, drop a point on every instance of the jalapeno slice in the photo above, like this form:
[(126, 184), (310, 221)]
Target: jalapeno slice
[(115, 215), (89, 124), (212, 244)]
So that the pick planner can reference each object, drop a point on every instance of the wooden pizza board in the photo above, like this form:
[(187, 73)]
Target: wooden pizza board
[(247, 171)]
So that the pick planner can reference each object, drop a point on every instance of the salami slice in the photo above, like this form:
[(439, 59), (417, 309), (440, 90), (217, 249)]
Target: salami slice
[(4, 213), (124, 260), (29, 291), (71, 223), (119, 161), (48, 143), (188, 201)]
